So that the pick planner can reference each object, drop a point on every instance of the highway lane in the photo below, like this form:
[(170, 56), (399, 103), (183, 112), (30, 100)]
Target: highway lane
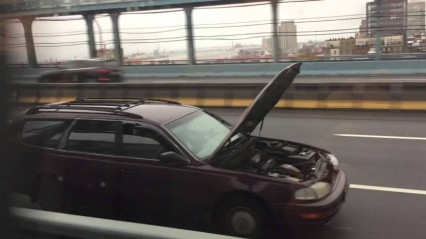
[(368, 161), (373, 215), (380, 162), (396, 163)]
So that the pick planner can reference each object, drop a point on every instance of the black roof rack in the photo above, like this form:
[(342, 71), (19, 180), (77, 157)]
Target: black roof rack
[(97, 105), (66, 109), (122, 100)]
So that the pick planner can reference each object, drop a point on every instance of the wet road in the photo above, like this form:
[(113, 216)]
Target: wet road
[(383, 150)]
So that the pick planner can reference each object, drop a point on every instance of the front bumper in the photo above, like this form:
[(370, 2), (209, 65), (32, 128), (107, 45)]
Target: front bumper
[(317, 212)]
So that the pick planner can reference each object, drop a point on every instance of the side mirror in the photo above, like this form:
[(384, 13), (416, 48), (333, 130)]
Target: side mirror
[(173, 157)]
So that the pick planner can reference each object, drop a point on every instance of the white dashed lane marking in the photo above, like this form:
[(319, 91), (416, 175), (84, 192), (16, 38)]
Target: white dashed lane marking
[(384, 189), (388, 189), (379, 136)]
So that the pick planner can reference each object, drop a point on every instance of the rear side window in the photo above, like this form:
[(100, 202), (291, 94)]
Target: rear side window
[(93, 136), (44, 133)]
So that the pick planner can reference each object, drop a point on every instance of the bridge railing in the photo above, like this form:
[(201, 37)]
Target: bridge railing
[(233, 60), (25, 5)]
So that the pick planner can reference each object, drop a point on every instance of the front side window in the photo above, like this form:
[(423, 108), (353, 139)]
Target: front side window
[(93, 136), (43, 133), (200, 132), (142, 142)]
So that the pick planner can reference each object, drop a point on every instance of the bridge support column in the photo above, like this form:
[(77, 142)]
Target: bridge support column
[(27, 23), (379, 27), (117, 41), (91, 35), (190, 36), (276, 50)]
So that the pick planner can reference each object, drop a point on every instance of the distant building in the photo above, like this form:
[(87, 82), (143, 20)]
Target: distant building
[(347, 46), (363, 29), (416, 17), (393, 44), (311, 48), (288, 37), (390, 19), (340, 47), (105, 53), (390, 44), (417, 43), (267, 44), (366, 41)]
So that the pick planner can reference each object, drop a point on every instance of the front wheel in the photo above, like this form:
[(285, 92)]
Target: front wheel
[(244, 217)]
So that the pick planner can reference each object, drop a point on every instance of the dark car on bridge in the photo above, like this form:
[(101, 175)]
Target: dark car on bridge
[(163, 161), (83, 71)]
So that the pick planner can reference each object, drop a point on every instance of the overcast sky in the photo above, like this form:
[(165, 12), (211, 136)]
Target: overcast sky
[(153, 28)]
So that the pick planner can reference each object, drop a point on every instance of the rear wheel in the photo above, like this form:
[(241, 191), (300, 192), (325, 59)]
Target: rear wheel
[(53, 196), (244, 217)]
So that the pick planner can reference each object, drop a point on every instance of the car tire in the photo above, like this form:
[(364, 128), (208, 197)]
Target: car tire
[(53, 196), (244, 217)]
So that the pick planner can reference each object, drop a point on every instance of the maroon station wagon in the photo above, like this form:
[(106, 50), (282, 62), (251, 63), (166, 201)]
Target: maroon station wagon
[(161, 161)]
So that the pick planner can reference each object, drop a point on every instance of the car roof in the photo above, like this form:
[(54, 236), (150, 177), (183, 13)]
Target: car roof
[(150, 110), (161, 113)]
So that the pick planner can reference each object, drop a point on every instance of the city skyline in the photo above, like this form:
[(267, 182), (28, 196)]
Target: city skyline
[(311, 23)]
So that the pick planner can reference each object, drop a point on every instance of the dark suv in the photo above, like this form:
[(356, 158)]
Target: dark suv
[(162, 160)]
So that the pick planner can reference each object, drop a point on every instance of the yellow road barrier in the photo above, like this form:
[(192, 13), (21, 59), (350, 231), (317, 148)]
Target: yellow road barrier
[(297, 103)]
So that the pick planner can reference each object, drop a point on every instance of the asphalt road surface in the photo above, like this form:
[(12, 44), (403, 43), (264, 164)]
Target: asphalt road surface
[(384, 156)]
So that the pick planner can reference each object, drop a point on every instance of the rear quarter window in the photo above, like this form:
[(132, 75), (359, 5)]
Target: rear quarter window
[(43, 133)]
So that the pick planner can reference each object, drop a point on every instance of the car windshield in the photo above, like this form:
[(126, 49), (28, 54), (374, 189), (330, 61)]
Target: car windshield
[(199, 132)]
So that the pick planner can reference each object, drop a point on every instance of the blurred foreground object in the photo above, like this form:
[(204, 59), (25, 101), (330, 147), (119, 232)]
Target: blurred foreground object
[(4, 93)]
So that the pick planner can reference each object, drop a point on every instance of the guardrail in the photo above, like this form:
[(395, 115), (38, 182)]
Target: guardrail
[(236, 59), (51, 7), (344, 95), (84, 227), (311, 69)]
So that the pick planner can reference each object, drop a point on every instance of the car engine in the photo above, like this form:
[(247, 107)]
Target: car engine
[(280, 159)]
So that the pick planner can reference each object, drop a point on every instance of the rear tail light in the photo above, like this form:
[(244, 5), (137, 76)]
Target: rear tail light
[(104, 79)]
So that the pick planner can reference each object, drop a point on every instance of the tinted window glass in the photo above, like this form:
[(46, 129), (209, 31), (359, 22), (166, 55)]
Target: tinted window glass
[(93, 137), (44, 133), (142, 142)]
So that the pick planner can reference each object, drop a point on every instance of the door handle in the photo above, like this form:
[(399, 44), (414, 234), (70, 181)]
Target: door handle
[(126, 170)]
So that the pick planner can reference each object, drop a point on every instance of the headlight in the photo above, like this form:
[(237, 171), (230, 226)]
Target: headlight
[(316, 191), (333, 160)]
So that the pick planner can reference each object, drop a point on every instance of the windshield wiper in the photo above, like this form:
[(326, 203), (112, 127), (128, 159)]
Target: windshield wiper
[(218, 118)]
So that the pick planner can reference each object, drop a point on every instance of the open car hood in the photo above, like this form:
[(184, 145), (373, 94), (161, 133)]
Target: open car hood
[(264, 102)]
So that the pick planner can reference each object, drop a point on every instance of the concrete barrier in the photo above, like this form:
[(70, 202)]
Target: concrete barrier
[(374, 95), (330, 68), (53, 224)]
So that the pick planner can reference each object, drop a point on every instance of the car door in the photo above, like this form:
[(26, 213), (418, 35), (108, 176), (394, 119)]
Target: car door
[(90, 152), (145, 181), (37, 154)]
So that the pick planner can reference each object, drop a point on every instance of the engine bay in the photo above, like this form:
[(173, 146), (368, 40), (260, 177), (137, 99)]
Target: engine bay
[(280, 159)]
